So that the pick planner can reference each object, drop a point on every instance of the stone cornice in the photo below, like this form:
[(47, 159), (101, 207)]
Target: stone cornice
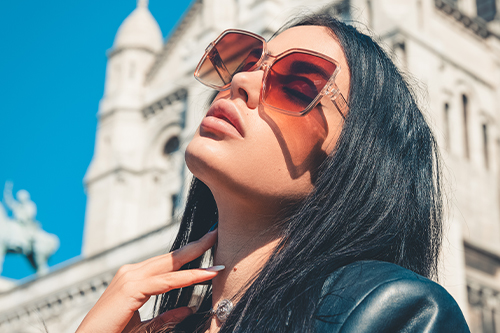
[(122, 170), (101, 115), (112, 52), (484, 250), (53, 303), (483, 296), (436, 52), (475, 24), (163, 103)]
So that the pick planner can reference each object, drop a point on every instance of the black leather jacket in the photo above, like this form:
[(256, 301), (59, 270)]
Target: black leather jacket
[(374, 296)]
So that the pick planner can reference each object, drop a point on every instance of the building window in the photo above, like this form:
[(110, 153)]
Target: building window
[(486, 9), (485, 145), (483, 299), (369, 7), (420, 12), (399, 49), (175, 204), (340, 9), (482, 313), (465, 109), (446, 115), (171, 146)]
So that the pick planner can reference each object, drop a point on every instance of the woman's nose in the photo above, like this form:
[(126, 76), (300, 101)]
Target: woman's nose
[(247, 86)]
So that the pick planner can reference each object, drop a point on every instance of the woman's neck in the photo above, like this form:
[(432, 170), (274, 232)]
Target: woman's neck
[(246, 239)]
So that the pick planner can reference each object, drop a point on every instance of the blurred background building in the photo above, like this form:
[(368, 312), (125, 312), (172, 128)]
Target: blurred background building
[(135, 184)]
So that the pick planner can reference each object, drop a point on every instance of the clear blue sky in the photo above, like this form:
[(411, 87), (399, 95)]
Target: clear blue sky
[(52, 66)]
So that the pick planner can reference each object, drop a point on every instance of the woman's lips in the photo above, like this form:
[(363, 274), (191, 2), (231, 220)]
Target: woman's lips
[(223, 117)]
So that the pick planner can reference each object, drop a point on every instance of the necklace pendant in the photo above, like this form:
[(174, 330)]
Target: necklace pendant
[(224, 309)]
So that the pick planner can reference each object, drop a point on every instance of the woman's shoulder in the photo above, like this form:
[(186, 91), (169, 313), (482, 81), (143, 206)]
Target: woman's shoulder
[(375, 296)]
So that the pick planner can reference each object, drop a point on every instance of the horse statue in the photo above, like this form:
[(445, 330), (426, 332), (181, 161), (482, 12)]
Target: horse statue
[(23, 234)]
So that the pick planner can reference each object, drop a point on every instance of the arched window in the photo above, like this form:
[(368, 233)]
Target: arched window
[(171, 146), (420, 12), (399, 50), (446, 125), (485, 145), (175, 204), (369, 6), (465, 109)]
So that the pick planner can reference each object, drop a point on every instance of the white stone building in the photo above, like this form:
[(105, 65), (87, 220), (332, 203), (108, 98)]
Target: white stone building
[(152, 105)]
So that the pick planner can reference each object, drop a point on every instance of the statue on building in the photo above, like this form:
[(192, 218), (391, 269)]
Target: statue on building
[(22, 233)]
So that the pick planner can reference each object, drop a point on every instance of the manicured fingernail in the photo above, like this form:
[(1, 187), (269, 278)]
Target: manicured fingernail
[(215, 268)]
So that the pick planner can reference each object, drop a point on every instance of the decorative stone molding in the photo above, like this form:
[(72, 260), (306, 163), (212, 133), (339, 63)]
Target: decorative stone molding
[(160, 105), (55, 304), (482, 296), (484, 305), (112, 52), (476, 24)]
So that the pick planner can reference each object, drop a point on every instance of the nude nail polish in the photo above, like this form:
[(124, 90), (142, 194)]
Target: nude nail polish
[(215, 268)]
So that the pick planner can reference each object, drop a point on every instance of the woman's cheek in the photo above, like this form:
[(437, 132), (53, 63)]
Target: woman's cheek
[(300, 137)]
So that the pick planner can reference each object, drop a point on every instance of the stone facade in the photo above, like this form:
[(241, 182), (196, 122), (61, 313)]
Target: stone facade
[(136, 181)]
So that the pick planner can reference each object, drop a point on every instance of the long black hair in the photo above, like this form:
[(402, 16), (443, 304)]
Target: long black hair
[(376, 197)]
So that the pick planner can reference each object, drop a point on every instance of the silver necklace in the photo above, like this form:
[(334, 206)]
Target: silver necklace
[(224, 309)]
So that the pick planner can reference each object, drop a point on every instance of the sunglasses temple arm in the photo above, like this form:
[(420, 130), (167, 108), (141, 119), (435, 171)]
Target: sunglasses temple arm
[(219, 66), (341, 104)]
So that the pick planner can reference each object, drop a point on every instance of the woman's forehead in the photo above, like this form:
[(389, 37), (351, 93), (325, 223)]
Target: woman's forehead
[(315, 38)]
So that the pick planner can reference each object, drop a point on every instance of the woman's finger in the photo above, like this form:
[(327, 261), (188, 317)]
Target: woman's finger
[(174, 316), (171, 317), (163, 283), (175, 260), (193, 250), (116, 310), (134, 284)]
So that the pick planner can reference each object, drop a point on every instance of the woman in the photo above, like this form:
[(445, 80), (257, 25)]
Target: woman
[(329, 214)]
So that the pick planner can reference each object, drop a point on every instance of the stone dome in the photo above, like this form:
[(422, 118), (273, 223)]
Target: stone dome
[(139, 29)]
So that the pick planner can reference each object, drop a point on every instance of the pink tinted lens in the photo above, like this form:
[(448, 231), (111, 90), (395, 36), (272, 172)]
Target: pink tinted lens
[(233, 53), (295, 80)]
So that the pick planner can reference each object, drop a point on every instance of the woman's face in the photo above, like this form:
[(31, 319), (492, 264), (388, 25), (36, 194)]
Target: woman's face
[(246, 152)]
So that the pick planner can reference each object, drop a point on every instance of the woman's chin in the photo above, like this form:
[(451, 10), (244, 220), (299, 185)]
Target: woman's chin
[(202, 158), (195, 161)]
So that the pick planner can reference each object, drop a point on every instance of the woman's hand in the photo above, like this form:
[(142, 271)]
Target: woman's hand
[(170, 317), (134, 284)]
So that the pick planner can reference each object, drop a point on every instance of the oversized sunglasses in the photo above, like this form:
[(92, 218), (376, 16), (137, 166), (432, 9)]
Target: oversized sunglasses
[(294, 81)]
